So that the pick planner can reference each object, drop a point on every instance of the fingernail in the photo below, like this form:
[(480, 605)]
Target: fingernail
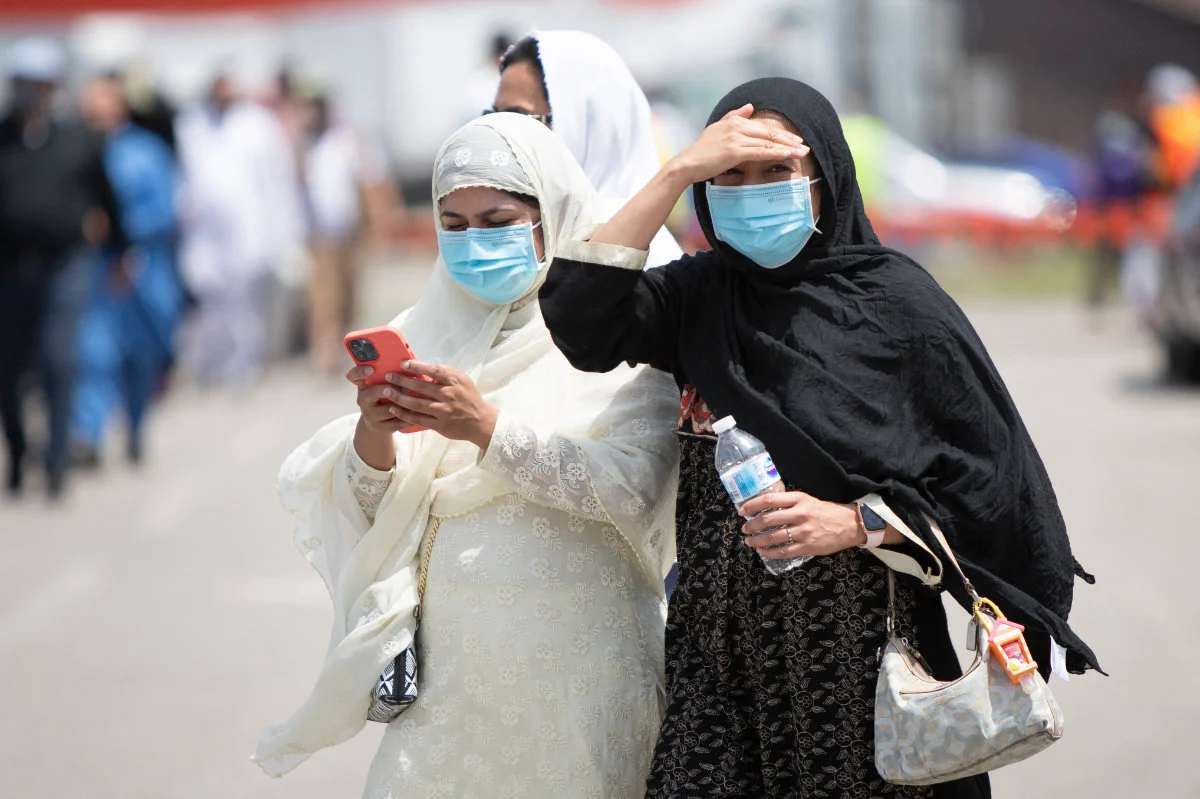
[(387, 392), (368, 370), (406, 365)]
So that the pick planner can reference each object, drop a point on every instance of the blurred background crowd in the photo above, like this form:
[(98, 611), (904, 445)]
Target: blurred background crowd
[(193, 191)]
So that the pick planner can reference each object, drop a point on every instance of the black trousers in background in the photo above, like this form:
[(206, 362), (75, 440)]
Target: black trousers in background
[(41, 301)]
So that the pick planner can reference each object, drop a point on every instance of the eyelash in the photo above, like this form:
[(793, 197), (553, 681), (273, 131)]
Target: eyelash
[(772, 168), (459, 227)]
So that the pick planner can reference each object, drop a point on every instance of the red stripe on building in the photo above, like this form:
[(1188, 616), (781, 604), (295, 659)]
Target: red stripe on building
[(41, 9)]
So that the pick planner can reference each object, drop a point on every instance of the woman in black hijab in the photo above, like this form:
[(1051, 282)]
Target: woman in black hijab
[(869, 387)]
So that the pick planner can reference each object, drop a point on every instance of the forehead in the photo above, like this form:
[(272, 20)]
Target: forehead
[(472, 199), (521, 82), (808, 164), (777, 120)]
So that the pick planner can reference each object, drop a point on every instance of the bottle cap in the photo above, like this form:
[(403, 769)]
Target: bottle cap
[(724, 425)]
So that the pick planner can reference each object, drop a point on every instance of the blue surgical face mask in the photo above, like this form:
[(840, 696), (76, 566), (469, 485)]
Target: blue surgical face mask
[(497, 265), (768, 223)]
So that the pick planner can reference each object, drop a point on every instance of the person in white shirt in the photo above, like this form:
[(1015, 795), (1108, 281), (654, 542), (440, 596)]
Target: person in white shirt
[(242, 215), (346, 184)]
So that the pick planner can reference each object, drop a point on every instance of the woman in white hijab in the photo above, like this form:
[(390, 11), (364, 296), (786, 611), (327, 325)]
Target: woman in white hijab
[(549, 493), (581, 88)]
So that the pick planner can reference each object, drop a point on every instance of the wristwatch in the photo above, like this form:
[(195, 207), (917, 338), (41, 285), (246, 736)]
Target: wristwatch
[(872, 524)]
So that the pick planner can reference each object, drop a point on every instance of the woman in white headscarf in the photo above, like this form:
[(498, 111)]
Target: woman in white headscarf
[(581, 88), (550, 495)]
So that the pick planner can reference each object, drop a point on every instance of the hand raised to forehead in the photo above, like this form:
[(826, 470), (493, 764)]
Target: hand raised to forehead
[(735, 139)]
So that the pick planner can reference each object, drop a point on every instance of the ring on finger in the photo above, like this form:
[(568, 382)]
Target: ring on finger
[(788, 530)]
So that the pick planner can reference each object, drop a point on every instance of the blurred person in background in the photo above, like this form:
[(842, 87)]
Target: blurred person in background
[(287, 291), (347, 184), (149, 108), (1171, 105), (241, 218), (56, 208), (152, 110), (1125, 171), (285, 99), (580, 88), (540, 496), (127, 335), (1174, 97)]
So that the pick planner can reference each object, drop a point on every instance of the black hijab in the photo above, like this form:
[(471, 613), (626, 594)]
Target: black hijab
[(861, 375), (846, 233)]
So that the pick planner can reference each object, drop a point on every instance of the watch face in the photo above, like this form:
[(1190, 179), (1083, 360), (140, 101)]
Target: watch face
[(872, 520)]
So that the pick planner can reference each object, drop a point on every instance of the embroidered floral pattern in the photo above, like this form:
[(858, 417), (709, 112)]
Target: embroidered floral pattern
[(770, 681), (369, 485), (532, 633)]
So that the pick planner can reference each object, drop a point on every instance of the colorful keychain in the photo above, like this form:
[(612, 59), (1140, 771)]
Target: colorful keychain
[(1007, 641)]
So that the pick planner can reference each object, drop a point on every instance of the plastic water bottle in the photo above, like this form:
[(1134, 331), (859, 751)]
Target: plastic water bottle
[(746, 470)]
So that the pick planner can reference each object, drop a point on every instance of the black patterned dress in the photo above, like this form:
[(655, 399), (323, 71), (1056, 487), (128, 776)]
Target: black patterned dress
[(770, 679)]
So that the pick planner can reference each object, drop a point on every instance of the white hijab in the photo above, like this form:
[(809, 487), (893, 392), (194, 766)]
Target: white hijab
[(604, 117), (372, 578)]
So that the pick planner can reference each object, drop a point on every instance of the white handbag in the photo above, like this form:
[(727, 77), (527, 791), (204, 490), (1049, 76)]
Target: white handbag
[(928, 731)]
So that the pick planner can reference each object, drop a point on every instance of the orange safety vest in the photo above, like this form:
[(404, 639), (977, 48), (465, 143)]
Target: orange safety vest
[(1177, 128)]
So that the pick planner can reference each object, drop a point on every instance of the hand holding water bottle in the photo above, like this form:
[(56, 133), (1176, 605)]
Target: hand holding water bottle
[(792, 523), (786, 528), (747, 472)]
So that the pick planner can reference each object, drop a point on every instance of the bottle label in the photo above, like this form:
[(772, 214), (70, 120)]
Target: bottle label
[(750, 478)]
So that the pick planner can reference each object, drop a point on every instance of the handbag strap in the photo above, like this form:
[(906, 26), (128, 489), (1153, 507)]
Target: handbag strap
[(945, 546), (941, 539), (423, 578)]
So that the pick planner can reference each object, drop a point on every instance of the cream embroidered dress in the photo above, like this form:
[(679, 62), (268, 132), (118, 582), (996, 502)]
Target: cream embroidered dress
[(541, 634)]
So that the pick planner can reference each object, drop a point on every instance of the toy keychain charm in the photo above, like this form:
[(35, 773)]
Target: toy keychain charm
[(1006, 639)]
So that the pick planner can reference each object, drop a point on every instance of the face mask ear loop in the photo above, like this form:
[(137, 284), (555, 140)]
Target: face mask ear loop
[(811, 181), (542, 262)]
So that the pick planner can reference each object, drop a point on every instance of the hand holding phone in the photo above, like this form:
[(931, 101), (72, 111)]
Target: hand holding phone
[(454, 407), (385, 350)]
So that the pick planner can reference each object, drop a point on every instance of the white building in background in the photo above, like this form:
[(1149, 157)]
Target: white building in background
[(394, 67)]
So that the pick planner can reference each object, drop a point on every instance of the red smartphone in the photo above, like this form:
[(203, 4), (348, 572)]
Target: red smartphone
[(384, 349)]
